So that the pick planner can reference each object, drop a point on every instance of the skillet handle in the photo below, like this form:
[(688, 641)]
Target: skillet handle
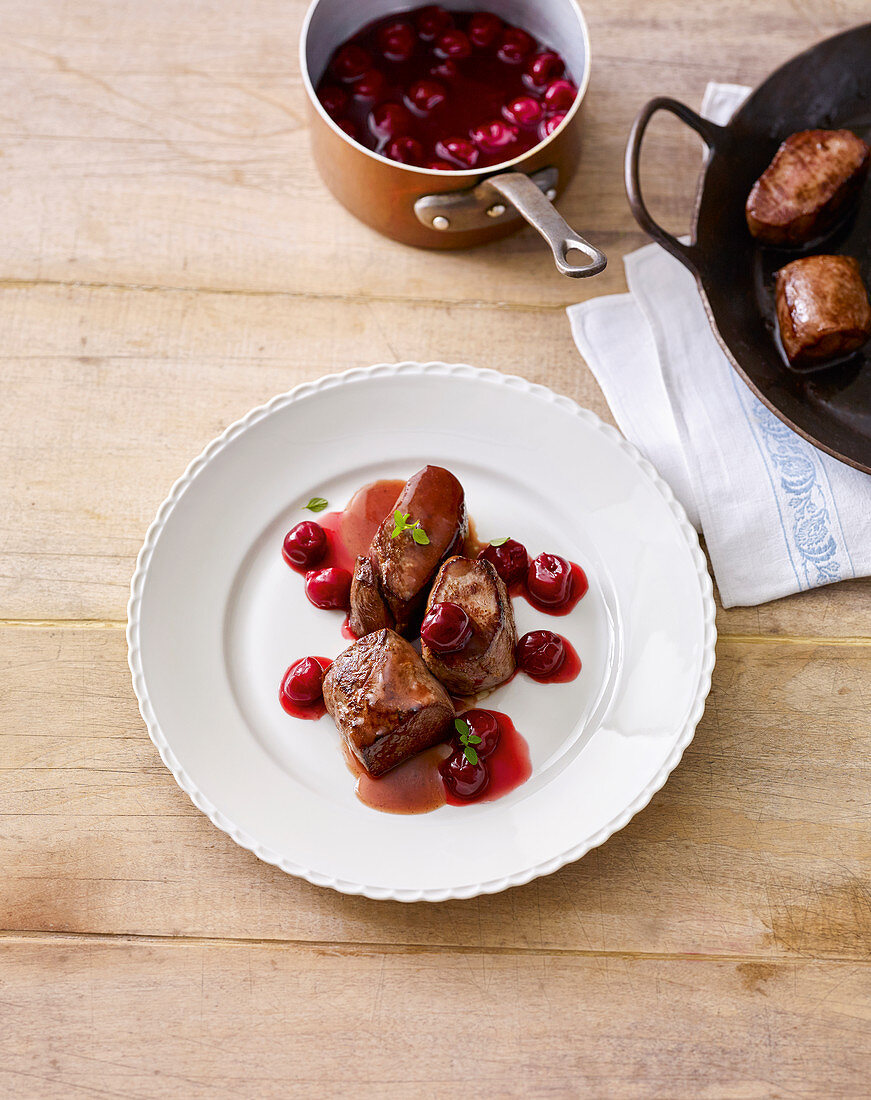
[(710, 133)]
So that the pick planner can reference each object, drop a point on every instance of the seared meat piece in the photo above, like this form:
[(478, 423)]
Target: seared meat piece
[(822, 308), (488, 658), (401, 568), (368, 610), (385, 701), (814, 177)]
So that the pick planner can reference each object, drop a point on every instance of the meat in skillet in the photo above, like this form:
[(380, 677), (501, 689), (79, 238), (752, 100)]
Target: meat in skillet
[(814, 178), (385, 702), (822, 309)]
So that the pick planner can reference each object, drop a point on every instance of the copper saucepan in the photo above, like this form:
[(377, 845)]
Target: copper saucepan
[(440, 209)]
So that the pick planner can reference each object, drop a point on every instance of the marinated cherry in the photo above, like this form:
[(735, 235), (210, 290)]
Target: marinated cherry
[(510, 560), (329, 589), (397, 40), (334, 99), (494, 136), (483, 724), (405, 150), (446, 628), (549, 580), (543, 68), (560, 95), (484, 28), (389, 120), (525, 110), (442, 78), (515, 45), (550, 124), (370, 85), (459, 150), (351, 62), (426, 95), (454, 44), (541, 653), (305, 545), (303, 683), (431, 21), (464, 780)]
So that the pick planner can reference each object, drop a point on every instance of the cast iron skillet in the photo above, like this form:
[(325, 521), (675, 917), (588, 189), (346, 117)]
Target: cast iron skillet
[(827, 87)]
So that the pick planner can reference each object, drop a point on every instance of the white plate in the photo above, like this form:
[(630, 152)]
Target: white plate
[(215, 617)]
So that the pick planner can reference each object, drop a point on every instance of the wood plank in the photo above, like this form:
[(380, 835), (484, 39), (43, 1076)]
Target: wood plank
[(128, 386), (137, 149), (757, 845), (158, 1019)]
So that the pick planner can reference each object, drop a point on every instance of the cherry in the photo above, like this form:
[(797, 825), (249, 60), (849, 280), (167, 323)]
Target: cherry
[(510, 560), (389, 120), (494, 136), (541, 653), (303, 682), (431, 21), (550, 124), (305, 545), (483, 28), (464, 780), (543, 68), (560, 95), (370, 85), (351, 62), (426, 95), (446, 69), (441, 166), (405, 150), (397, 40), (515, 45), (348, 126), (459, 150), (446, 628), (549, 580), (329, 589), (525, 110), (483, 724), (333, 99), (453, 43)]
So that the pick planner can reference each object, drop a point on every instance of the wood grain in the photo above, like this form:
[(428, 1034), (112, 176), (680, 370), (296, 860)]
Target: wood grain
[(221, 1020), (757, 845)]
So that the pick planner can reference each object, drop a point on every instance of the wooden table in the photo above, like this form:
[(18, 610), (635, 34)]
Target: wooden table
[(169, 260)]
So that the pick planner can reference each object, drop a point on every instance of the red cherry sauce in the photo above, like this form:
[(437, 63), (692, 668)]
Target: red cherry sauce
[(568, 670), (309, 711), (579, 587), (509, 764), (446, 90)]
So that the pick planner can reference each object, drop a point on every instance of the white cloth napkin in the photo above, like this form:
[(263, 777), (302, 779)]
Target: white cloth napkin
[(778, 515)]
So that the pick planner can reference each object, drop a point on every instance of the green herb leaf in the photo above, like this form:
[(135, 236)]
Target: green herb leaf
[(317, 504), (473, 739), (499, 542), (420, 536), (462, 727), (471, 755)]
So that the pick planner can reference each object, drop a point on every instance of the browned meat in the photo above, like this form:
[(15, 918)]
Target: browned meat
[(368, 610), (401, 568), (488, 658), (385, 702), (822, 308), (813, 179)]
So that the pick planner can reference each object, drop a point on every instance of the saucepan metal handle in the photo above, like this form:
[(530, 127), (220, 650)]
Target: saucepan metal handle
[(503, 196), (543, 216), (711, 134)]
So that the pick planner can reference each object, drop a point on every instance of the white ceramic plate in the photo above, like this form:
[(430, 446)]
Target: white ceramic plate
[(215, 617)]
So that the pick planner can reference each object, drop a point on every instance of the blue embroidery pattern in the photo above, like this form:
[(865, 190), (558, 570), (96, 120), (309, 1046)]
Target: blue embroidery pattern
[(798, 467)]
